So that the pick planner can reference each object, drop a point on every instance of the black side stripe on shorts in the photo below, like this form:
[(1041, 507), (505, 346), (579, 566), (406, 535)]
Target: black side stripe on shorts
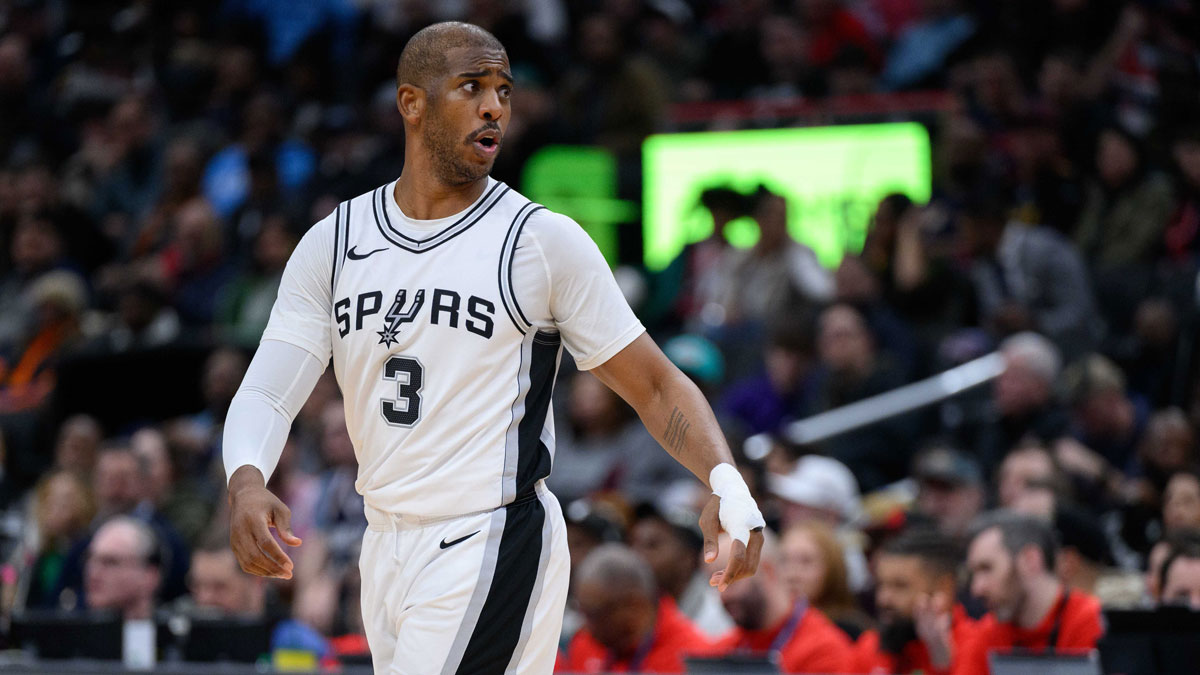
[(497, 633)]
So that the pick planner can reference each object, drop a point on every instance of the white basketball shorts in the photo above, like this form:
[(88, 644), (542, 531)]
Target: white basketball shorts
[(475, 594)]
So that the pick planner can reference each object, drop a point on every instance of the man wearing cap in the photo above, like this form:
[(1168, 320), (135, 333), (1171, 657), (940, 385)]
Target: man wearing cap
[(798, 636), (950, 489)]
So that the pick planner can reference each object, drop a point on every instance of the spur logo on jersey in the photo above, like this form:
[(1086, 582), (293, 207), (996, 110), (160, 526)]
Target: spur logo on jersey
[(446, 308), (396, 316)]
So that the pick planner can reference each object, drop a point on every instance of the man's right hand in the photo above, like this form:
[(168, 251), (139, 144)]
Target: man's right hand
[(253, 511)]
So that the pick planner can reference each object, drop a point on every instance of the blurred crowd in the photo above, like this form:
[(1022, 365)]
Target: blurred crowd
[(159, 161)]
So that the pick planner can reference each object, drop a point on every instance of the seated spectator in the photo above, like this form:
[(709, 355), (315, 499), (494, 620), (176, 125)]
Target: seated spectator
[(771, 624), (246, 303), (1023, 401), (339, 514), (194, 264), (851, 369), (1181, 502), (699, 359), (777, 272), (950, 489), (182, 499), (56, 302), (916, 578), (1029, 466), (1183, 229), (1028, 278), (784, 388), (814, 567), (628, 625), (1179, 576), (1126, 208), (1084, 555), (62, 511), (671, 543), (123, 571), (75, 448), (1106, 418), (1012, 559)]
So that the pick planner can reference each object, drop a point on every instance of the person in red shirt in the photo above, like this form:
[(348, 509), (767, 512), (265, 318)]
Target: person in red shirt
[(768, 623), (628, 626), (1011, 561), (915, 579)]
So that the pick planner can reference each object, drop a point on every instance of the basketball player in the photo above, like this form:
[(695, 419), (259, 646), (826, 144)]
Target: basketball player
[(444, 299)]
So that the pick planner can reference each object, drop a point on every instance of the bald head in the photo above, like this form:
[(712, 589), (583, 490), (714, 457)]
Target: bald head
[(616, 566), (424, 57)]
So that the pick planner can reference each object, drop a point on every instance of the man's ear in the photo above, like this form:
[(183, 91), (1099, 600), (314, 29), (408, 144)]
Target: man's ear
[(410, 101), (1029, 560)]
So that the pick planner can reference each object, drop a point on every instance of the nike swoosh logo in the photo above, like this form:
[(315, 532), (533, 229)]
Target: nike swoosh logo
[(448, 544), (359, 256)]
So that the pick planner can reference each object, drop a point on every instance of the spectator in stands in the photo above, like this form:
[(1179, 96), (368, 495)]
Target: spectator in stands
[(194, 265), (78, 440), (771, 624), (814, 568), (950, 489), (143, 319), (1027, 278), (777, 272), (1168, 446), (1181, 502), (629, 626), (339, 510), (1107, 419), (671, 543), (921, 629), (1084, 554), (1182, 234), (124, 568), (851, 369), (1179, 577), (1011, 559), (55, 302), (36, 247), (1126, 209), (246, 304), (129, 188), (179, 497), (1029, 466), (783, 390), (923, 47), (62, 512), (1023, 401)]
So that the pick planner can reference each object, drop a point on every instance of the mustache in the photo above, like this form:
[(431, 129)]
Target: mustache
[(490, 126)]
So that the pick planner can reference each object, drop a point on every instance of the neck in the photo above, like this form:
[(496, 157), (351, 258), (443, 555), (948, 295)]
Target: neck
[(779, 606), (421, 195), (141, 609), (1040, 599)]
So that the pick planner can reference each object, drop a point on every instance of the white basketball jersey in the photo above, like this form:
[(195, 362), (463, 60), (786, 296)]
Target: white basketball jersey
[(447, 369)]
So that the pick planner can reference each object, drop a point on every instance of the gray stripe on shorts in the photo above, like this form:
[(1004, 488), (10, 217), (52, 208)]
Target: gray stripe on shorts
[(487, 570), (527, 624)]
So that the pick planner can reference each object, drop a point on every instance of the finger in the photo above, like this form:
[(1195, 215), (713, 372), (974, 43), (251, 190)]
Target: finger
[(737, 563), (281, 518), (716, 577), (710, 527), (754, 551), (252, 566), (269, 549)]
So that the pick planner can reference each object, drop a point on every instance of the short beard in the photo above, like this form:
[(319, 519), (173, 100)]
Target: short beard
[(447, 164), (895, 635)]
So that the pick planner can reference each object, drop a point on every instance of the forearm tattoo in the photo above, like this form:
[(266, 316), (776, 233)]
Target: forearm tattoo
[(677, 428)]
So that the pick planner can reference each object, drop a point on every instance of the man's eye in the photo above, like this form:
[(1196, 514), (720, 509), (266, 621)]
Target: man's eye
[(505, 92), (471, 86)]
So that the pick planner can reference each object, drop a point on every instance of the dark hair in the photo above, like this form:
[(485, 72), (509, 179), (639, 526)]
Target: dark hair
[(1018, 532), (897, 202), (424, 56), (1184, 544), (725, 199), (938, 553)]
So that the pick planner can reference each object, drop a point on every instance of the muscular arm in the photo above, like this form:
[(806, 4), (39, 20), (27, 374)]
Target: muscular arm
[(670, 405), (679, 418)]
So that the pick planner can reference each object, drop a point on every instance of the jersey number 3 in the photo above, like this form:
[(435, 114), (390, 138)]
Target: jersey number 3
[(409, 375)]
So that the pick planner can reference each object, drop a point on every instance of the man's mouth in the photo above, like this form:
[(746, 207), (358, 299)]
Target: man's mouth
[(487, 142)]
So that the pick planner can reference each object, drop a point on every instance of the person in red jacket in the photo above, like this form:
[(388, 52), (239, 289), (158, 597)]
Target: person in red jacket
[(915, 580), (628, 626), (768, 623), (1011, 560)]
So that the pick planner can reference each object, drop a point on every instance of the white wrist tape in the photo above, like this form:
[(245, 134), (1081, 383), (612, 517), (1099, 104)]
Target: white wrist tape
[(738, 513)]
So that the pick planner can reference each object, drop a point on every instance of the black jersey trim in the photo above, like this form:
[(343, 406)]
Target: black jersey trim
[(512, 256), (474, 215), (497, 632), (337, 233), (508, 297), (533, 457)]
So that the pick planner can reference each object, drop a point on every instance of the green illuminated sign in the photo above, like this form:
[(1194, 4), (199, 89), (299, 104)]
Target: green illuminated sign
[(833, 177)]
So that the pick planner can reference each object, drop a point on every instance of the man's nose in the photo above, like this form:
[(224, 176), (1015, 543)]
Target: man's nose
[(490, 108)]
